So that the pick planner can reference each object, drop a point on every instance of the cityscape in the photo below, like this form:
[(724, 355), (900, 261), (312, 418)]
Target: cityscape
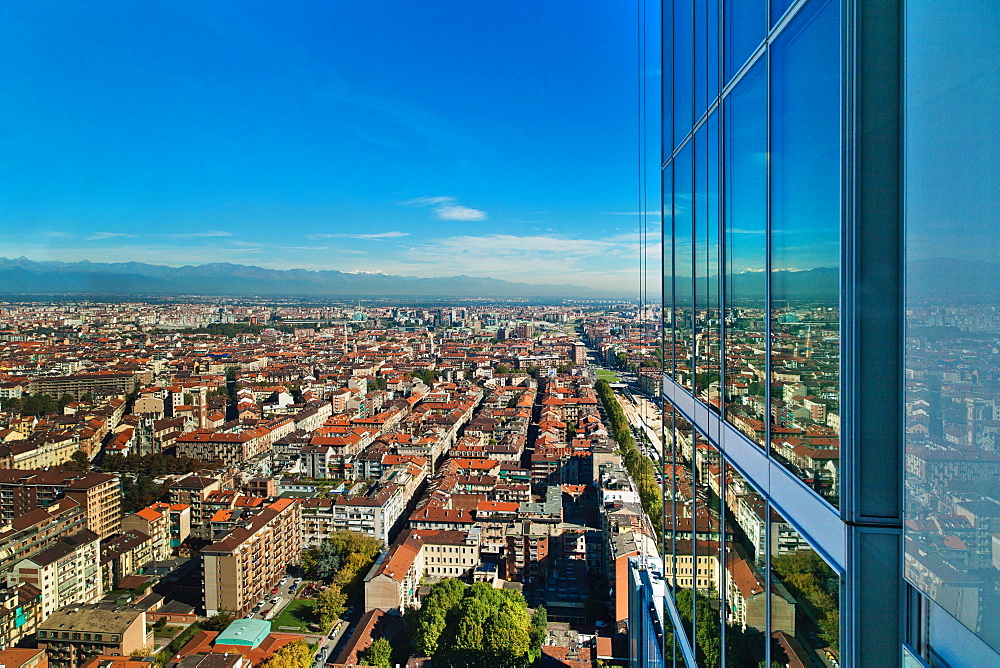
[(528, 335)]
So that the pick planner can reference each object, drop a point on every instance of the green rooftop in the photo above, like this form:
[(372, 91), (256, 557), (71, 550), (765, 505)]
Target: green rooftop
[(245, 632)]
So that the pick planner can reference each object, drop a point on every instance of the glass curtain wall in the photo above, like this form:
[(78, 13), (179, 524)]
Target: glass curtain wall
[(952, 363), (752, 184)]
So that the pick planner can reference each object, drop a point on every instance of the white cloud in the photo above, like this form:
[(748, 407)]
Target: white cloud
[(447, 208), (374, 235), (109, 235), (210, 233)]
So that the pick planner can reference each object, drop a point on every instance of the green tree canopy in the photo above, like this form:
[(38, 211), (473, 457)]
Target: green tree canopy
[(474, 625), (379, 653), (218, 622), (293, 655)]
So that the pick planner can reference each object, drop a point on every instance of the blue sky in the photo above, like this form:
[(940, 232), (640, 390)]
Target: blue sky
[(416, 138)]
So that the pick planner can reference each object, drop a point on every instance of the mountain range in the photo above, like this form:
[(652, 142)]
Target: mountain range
[(22, 276)]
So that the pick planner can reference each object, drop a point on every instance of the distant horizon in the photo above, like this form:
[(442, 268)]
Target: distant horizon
[(495, 140)]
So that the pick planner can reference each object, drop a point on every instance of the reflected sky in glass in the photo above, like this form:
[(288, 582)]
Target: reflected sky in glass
[(952, 196)]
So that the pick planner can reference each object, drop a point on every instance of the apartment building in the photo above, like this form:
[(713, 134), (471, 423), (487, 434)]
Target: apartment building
[(235, 442), (419, 555), (67, 573), (240, 568), (376, 513), (99, 494), (167, 525), (80, 384), (20, 614), (194, 491), (39, 529), (73, 636)]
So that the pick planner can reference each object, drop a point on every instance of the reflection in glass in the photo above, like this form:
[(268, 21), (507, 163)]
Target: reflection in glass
[(707, 324), (745, 603), (682, 258), (805, 600), (695, 573), (805, 245), (778, 9), (706, 55), (952, 196), (683, 68), (745, 145), (746, 25)]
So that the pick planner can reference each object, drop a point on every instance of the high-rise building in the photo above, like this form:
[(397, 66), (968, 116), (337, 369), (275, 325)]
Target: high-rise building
[(832, 327)]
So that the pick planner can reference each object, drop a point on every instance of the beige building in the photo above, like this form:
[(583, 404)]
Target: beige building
[(72, 636), (376, 513), (20, 613), (67, 573), (417, 556), (236, 445), (252, 558)]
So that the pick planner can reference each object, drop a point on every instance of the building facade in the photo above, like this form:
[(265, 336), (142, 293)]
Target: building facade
[(829, 329), (243, 566)]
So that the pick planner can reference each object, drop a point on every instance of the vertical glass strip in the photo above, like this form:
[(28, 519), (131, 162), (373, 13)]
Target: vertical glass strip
[(745, 147), (805, 152), (682, 262), (805, 600)]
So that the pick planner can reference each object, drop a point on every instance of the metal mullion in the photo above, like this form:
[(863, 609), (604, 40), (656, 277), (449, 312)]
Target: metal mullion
[(767, 340)]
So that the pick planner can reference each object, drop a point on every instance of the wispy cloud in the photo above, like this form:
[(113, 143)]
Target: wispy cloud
[(447, 208), (373, 235), (110, 235), (210, 233)]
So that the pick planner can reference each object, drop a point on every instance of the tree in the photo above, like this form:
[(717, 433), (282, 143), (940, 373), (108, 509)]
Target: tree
[(621, 360), (330, 604), (219, 621), (79, 461), (473, 625), (539, 630), (293, 655), (379, 653), (340, 557)]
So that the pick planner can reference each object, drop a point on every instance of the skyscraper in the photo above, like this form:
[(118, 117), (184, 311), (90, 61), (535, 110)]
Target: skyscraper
[(832, 332)]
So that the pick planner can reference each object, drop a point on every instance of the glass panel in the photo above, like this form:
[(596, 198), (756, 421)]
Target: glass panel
[(706, 54), (683, 67), (745, 605), (746, 26), (805, 600), (668, 260), (805, 247), (746, 253), (682, 257), (952, 196), (778, 9), (695, 573), (712, 55), (706, 316), (700, 55)]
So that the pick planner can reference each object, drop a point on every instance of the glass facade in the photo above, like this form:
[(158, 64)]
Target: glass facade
[(952, 401), (831, 332)]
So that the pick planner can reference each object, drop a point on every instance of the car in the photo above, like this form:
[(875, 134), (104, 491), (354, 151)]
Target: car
[(298, 581), (275, 600), (284, 580), (275, 590)]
